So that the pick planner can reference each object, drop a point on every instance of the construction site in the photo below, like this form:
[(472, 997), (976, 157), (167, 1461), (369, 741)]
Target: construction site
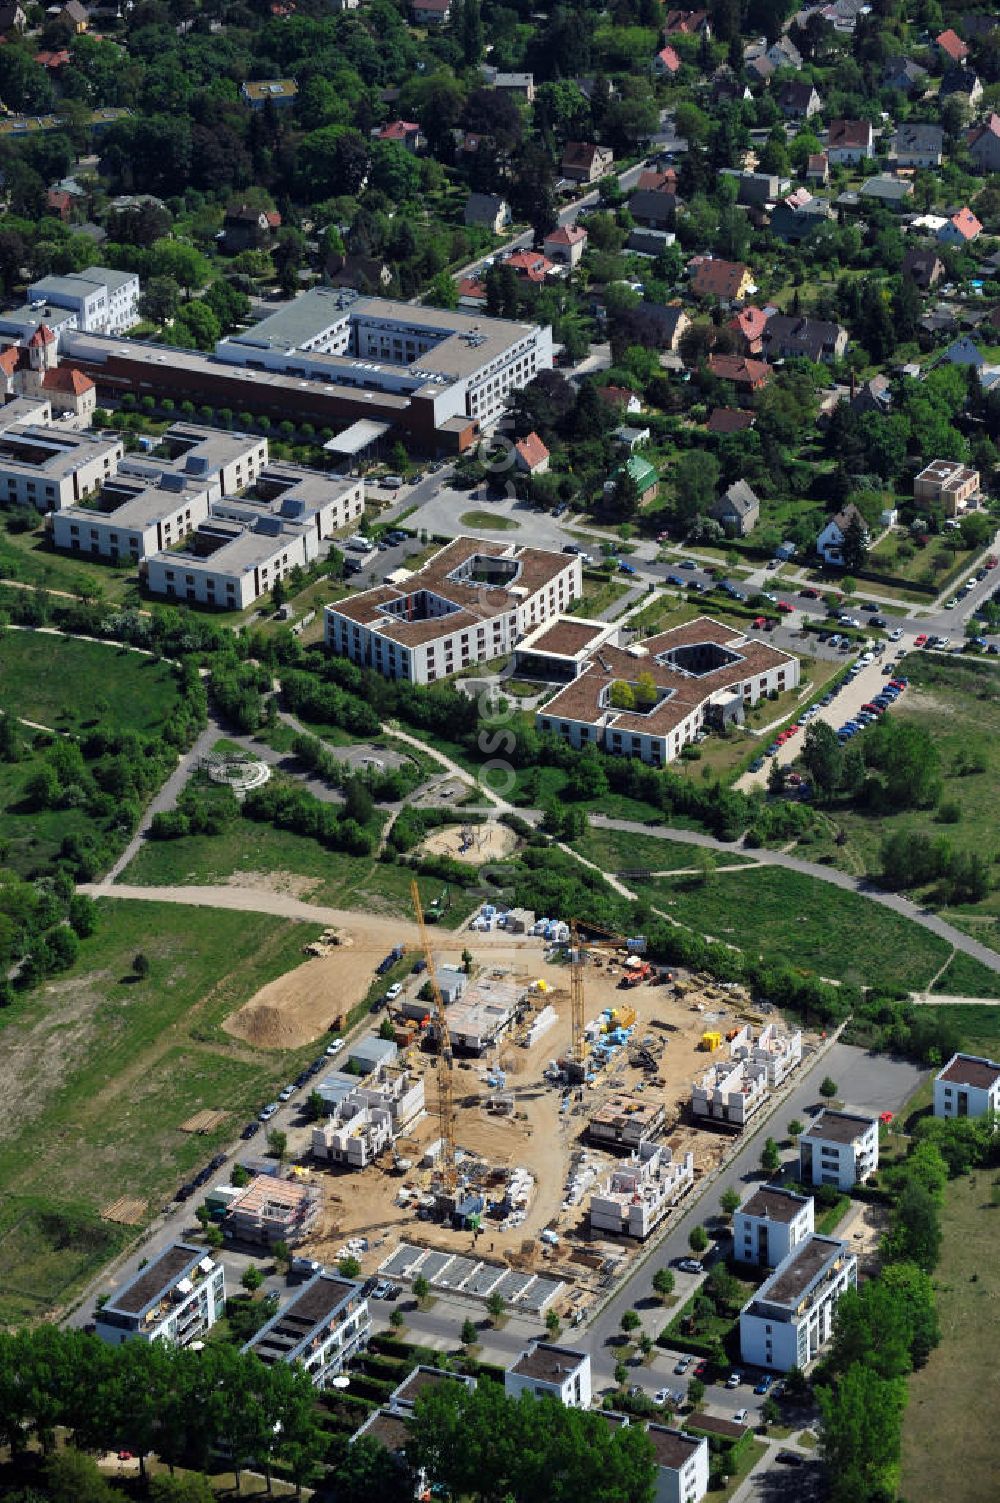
[(532, 1112)]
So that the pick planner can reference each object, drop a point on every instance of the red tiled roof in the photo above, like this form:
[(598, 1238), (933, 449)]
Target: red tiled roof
[(849, 133), (616, 396), (530, 265), (668, 57), (714, 278), (730, 420), (42, 335), (472, 287), (566, 234), (657, 182), (65, 378), (532, 451), (9, 359), (966, 223), (951, 43), (750, 322), (743, 372), (398, 130)]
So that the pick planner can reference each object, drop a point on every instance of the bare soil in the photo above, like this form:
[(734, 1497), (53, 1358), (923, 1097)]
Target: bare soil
[(487, 842), (295, 883)]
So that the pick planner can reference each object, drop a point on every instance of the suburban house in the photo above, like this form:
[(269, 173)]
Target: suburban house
[(642, 473), (471, 602), (771, 1224), (918, 145), (520, 85), (818, 168), (658, 180), (968, 1086), (951, 46), (531, 456), (984, 144), (755, 188), (848, 142), (621, 399), (838, 1148), (430, 12), (885, 188), (748, 325), (924, 267), (653, 210), (489, 209), (666, 63), (74, 15), (566, 244), (960, 229), (903, 74), (681, 1464), (321, 1328), (798, 101), (797, 216), (406, 133), (737, 509), (552, 1372), (529, 266), (12, 17), (874, 395), (176, 1298), (964, 83), (279, 93), (790, 1318), (687, 23), (787, 336), (725, 420), (748, 376), (699, 673), (585, 162), (246, 229), (729, 281), (949, 484), (268, 1210), (656, 326), (830, 542)]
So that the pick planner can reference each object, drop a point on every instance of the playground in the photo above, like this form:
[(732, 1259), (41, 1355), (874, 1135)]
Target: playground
[(473, 844)]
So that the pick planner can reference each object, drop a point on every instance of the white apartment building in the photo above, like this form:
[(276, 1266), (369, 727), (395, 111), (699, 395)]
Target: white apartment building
[(968, 1086), (637, 1195), (550, 1371), (52, 468), (104, 301), (320, 1328), (681, 1465), (790, 1318), (129, 519), (777, 1052), (227, 462), (771, 1224), (470, 603), (459, 366), (364, 1121), (838, 1148), (176, 1298)]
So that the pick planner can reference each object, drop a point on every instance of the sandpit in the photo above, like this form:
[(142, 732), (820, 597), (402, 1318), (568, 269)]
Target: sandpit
[(472, 844)]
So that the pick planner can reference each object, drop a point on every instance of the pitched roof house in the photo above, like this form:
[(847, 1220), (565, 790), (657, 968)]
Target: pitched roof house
[(566, 244), (404, 132), (729, 281), (723, 420), (849, 141), (748, 376), (798, 101), (748, 325), (960, 229), (737, 509), (924, 267), (830, 542), (530, 455), (918, 145), (963, 82), (951, 44), (984, 144), (903, 74), (653, 210), (489, 209), (788, 335), (585, 162), (666, 63)]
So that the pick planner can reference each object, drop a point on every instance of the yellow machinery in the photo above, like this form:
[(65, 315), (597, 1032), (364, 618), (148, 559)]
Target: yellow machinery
[(445, 1062), (710, 1042), (577, 1003)]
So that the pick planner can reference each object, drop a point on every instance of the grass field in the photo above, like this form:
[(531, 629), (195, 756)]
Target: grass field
[(808, 923), (618, 850), (494, 522), (27, 557), (949, 1443), (979, 1026), (966, 977), (598, 596), (330, 877), (73, 685), (100, 1069)]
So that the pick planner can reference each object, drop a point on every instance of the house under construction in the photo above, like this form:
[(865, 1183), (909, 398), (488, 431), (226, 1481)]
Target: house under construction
[(272, 1210)]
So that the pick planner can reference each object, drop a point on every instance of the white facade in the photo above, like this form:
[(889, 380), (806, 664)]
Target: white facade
[(52, 468), (549, 1371), (730, 1092), (839, 1148), (790, 1318), (681, 1465), (321, 1328), (364, 1121), (636, 1197), (104, 301), (176, 1298), (142, 519), (778, 1053), (968, 1086), (771, 1224)]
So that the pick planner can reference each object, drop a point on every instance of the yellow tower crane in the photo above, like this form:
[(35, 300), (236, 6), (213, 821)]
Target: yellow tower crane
[(445, 1063)]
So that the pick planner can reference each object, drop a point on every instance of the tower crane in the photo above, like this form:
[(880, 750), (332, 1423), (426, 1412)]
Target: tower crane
[(445, 1063)]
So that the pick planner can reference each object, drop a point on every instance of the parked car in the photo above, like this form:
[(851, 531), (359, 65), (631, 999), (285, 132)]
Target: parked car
[(784, 607), (734, 1380), (394, 991), (756, 764), (740, 1417), (764, 1385), (690, 1265), (790, 1458), (250, 1130), (186, 1191), (682, 1364), (700, 1369), (268, 1112), (662, 1396), (896, 635), (335, 1047), (286, 1093)]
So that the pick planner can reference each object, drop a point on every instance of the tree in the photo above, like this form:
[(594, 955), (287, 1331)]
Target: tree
[(629, 1322), (369, 1473), (854, 549), (72, 1477), (828, 1088), (697, 1240), (695, 477), (421, 1288), (822, 755), (348, 1267), (861, 1435), (140, 966), (552, 1322), (730, 1202), (695, 1392), (252, 1279), (469, 1332), (193, 1487), (664, 1282), (621, 1374), (769, 1411), (495, 1306), (795, 1128), (277, 1144), (397, 1319), (770, 1157)]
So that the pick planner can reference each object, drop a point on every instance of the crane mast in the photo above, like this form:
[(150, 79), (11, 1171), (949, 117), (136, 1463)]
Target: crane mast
[(445, 1063)]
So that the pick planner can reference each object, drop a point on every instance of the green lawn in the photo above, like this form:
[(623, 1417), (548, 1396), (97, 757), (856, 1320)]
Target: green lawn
[(930, 565), (618, 850), (28, 557), (102, 1069), (73, 685), (979, 1026), (334, 879), (836, 934), (949, 1444), (495, 522), (597, 596), (966, 977)]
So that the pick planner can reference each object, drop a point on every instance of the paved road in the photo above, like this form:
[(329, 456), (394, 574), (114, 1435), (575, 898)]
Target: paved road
[(168, 795)]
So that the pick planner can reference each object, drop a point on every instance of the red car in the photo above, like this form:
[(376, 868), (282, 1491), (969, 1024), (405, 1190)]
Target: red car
[(920, 641), (784, 606), (701, 1368), (991, 562), (759, 622)]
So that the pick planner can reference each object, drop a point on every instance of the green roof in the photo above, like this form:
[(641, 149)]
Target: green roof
[(641, 471)]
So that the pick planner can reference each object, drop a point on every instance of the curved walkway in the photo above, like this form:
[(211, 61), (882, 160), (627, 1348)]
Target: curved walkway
[(829, 874)]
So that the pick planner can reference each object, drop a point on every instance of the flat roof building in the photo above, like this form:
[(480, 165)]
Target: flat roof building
[(638, 1194), (651, 699), (949, 484), (790, 1318), (550, 1371), (103, 300), (320, 1328), (176, 1298), (771, 1224), (625, 1121), (968, 1086), (52, 468), (471, 602), (838, 1148), (681, 1464)]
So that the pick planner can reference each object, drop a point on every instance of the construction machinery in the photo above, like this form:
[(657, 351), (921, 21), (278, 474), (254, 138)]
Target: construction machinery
[(577, 1011), (445, 1060)]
